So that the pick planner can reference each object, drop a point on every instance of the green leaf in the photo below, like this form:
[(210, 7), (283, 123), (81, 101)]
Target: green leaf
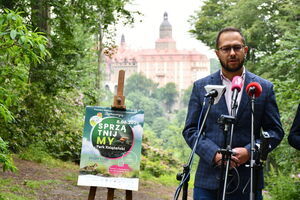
[(13, 34), (42, 47), (1, 20)]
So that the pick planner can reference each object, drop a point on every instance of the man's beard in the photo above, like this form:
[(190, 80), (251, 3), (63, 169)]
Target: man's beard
[(232, 69)]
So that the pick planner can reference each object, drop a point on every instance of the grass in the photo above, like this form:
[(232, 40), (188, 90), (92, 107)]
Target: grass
[(10, 190), (37, 154), (167, 179), (14, 189), (33, 184), (71, 177), (30, 189), (10, 196)]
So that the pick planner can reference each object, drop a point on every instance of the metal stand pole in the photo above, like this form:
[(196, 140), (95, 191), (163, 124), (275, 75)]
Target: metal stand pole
[(226, 153), (185, 175), (252, 161)]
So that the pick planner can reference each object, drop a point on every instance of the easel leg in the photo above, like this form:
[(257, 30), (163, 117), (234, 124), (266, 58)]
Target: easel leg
[(128, 195), (110, 193), (92, 193)]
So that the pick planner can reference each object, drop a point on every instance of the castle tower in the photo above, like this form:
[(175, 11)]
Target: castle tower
[(165, 41)]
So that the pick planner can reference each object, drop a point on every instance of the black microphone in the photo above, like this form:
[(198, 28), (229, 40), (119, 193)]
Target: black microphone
[(212, 93), (215, 91)]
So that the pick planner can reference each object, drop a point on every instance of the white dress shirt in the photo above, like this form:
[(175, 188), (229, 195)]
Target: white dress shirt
[(228, 92)]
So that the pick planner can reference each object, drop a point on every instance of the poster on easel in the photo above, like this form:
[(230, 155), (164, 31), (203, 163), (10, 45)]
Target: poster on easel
[(111, 148)]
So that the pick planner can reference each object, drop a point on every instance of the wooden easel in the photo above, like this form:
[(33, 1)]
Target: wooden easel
[(119, 104)]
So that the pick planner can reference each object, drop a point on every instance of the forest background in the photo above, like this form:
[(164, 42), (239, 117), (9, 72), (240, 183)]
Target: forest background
[(51, 67)]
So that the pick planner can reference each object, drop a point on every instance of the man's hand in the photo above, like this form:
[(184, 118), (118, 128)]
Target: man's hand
[(218, 160), (241, 155)]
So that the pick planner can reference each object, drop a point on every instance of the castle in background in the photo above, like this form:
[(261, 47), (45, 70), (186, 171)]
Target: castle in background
[(163, 64)]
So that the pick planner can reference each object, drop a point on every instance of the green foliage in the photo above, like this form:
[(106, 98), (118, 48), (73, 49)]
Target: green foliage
[(10, 196), (5, 157), (59, 130), (186, 96), (42, 97), (35, 152), (168, 95), (284, 63), (138, 83), (19, 48), (159, 125), (262, 22), (208, 20), (39, 153), (282, 186), (32, 184), (143, 93)]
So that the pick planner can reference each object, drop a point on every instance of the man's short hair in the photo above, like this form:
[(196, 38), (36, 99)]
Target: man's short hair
[(229, 29)]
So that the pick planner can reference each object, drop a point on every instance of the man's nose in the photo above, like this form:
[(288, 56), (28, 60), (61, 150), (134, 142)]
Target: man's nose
[(232, 52)]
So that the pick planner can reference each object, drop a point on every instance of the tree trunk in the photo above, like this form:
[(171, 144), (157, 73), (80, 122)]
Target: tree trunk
[(100, 62), (40, 15), (39, 19)]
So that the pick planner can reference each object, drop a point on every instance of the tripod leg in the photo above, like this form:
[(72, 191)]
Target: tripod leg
[(92, 193), (110, 193), (128, 195)]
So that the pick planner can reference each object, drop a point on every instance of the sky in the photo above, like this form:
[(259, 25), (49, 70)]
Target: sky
[(144, 34)]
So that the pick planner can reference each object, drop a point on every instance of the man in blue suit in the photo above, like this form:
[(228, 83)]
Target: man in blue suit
[(231, 51), (294, 136)]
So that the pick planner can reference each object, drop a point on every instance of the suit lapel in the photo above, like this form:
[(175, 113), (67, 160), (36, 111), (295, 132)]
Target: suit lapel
[(221, 105), (245, 98)]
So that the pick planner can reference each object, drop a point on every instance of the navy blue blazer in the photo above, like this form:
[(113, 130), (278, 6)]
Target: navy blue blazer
[(294, 136), (266, 117)]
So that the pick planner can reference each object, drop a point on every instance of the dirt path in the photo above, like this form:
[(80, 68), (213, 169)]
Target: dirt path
[(47, 183)]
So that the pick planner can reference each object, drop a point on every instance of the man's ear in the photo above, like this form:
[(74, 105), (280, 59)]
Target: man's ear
[(246, 49), (217, 52)]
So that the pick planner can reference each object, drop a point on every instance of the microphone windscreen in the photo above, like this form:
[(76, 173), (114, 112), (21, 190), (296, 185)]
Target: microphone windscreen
[(254, 88), (237, 83)]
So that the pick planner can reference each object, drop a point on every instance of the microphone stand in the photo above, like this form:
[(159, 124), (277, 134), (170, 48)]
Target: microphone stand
[(226, 153), (184, 177), (254, 162)]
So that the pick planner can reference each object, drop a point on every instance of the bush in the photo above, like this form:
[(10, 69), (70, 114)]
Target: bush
[(281, 186), (5, 157)]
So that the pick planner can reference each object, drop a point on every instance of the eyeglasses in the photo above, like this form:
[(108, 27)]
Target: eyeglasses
[(227, 49)]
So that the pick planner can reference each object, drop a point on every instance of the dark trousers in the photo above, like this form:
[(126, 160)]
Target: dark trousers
[(204, 194)]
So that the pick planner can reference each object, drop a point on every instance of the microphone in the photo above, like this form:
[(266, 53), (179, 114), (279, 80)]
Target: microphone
[(215, 91), (254, 88), (237, 84)]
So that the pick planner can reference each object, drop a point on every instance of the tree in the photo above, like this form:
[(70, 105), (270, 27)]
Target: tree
[(139, 83), (49, 108), (186, 96), (168, 94), (159, 124), (151, 106), (258, 20), (19, 48)]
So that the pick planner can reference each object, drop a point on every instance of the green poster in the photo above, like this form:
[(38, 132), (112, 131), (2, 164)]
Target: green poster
[(111, 148)]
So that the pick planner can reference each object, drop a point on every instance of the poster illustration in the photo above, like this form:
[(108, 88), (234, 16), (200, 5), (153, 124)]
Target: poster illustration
[(111, 148)]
